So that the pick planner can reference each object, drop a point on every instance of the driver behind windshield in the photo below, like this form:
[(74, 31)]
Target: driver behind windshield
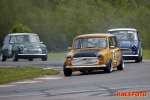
[(26, 38)]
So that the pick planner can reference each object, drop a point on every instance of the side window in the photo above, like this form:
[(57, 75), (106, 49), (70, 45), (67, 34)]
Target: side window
[(116, 39), (77, 43), (115, 44), (6, 40), (110, 42), (11, 39)]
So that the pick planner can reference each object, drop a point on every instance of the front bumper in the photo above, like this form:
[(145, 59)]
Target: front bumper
[(85, 68), (91, 66), (129, 54), (26, 56), (31, 54)]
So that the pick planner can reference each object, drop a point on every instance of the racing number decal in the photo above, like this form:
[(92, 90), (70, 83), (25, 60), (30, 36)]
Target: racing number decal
[(115, 56)]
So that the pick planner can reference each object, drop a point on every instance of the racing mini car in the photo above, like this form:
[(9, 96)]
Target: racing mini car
[(91, 52), (130, 43), (23, 46)]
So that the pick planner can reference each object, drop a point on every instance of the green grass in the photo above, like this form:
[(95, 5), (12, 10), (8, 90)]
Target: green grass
[(146, 54), (57, 56), (8, 75)]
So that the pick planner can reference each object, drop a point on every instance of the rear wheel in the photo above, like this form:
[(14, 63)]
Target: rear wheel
[(15, 57), (67, 71), (3, 58)]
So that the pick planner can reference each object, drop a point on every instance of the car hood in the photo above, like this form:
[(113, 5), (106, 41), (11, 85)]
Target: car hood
[(85, 53), (127, 44), (31, 45)]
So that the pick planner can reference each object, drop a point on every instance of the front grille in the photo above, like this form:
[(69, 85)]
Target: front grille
[(32, 51), (85, 61), (126, 51)]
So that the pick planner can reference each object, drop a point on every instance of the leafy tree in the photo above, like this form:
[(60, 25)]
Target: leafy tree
[(57, 22), (20, 28)]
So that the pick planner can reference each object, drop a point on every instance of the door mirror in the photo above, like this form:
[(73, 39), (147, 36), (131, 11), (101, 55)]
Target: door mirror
[(112, 46), (69, 48), (11, 42), (41, 42), (140, 40)]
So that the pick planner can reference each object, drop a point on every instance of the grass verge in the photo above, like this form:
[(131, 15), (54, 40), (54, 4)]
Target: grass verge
[(8, 75), (57, 56), (146, 54)]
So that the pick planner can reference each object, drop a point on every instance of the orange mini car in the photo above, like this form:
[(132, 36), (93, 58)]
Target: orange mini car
[(93, 52)]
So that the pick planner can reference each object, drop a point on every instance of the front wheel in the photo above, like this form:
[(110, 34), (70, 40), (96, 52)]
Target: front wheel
[(139, 58), (3, 58), (121, 65), (30, 59), (44, 58), (67, 71), (108, 68), (15, 57)]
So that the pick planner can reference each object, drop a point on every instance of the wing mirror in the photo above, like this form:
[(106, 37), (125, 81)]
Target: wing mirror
[(112, 46), (69, 48), (140, 40), (11, 42)]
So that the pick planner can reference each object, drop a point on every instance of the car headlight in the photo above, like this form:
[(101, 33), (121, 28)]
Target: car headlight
[(43, 47), (100, 56), (69, 56), (21, 47), (133, 46)]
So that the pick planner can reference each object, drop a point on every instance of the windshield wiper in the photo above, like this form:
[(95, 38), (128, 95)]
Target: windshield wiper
[(89, 47), (122, 36)]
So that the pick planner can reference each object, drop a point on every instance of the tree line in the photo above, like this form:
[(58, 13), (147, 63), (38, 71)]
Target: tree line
[(57, 22)]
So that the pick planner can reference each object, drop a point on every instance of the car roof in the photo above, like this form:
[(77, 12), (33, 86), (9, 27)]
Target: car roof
[(21, 34), (95, 35), (116, 29)]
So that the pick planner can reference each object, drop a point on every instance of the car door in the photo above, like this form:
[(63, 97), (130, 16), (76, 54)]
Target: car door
[(6, 45), (11, 42), (115, 51)]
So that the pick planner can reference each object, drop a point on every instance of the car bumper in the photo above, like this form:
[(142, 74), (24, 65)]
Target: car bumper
[(26, 56), (130, 55), (31, 54), (88, 67)]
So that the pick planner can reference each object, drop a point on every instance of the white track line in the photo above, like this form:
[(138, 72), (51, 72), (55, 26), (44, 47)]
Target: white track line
[(36, 80)]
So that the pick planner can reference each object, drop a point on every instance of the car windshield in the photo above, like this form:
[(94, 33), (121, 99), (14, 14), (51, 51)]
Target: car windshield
[(125, 35), (90, 43), (26, 39)]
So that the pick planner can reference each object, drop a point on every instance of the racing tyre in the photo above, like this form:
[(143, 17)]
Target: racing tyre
[(3, 58), (15, 57), (108, 68), (139, 58), (30, 59), (67, 71), (121, 65), (44, 58)]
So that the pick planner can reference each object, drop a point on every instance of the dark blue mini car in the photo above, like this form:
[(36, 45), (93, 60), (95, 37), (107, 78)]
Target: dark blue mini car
[(130, 43)]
